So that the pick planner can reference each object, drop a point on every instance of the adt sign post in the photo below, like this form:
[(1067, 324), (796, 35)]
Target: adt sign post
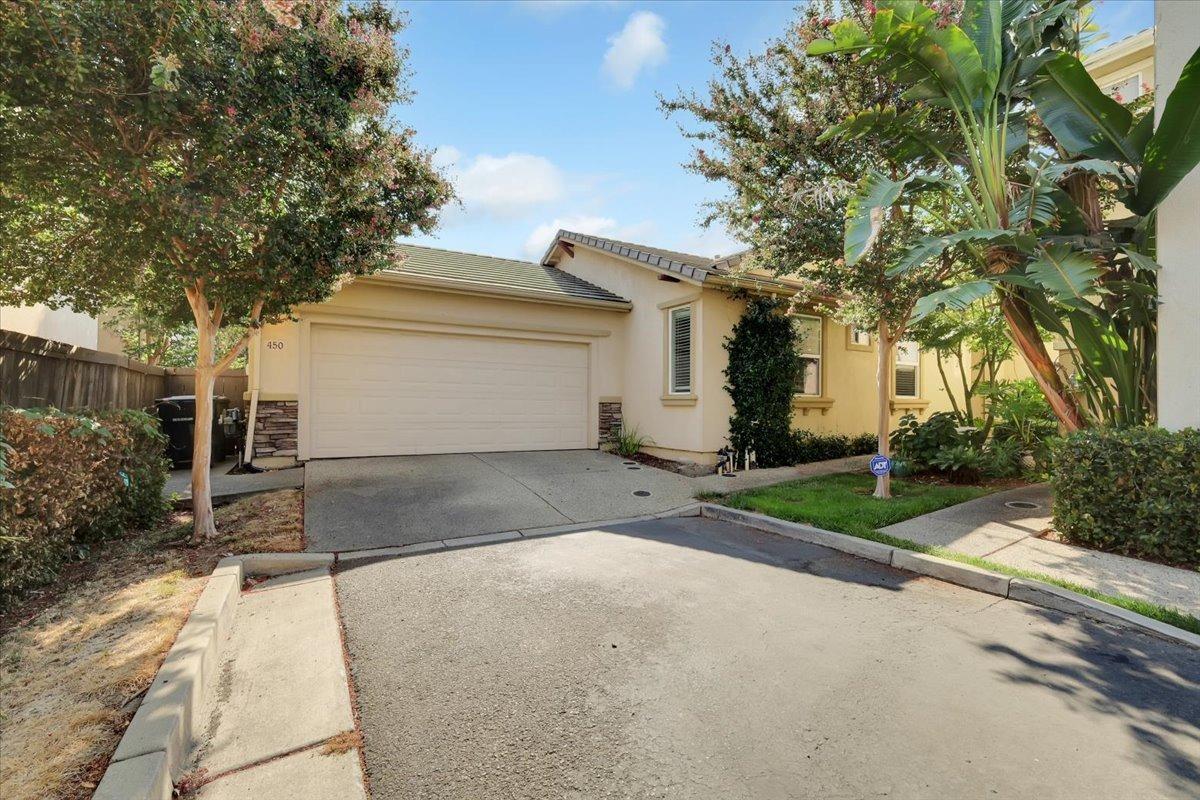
[(880, 465)]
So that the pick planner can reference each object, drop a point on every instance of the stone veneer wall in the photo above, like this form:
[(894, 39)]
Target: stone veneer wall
[(275, 428), (610, 420)]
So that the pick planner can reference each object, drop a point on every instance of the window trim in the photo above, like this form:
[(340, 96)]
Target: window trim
[(916, 366), (853, 345), (1137, 75), (819, 356), (672, 389)]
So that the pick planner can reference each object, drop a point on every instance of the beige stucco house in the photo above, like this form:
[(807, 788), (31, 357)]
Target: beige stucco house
[(456, 352)]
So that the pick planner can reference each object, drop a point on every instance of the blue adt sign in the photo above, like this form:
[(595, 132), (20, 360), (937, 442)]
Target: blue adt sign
[(880, 466)]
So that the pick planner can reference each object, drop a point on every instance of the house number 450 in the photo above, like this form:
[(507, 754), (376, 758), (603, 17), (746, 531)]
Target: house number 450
[(274, 345)]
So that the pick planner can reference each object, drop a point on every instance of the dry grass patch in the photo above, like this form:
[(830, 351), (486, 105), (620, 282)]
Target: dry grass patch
[(76, 657)]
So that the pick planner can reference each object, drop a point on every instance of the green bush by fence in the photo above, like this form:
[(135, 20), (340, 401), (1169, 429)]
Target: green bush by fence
[(1134, 491), (69, 480)]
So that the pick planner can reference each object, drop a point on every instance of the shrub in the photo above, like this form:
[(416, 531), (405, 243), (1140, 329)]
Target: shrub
[(760, 378), (807, 446), (628, 442), (1134, 491), (69, 480), (1022, 413), (918, 443)]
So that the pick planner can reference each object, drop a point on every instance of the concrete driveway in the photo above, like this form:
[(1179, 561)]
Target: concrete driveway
[(360, 503), (688, 658)]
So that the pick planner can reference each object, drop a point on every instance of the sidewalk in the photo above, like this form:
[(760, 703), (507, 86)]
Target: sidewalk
[(988, 528), (281, 725), (752, 479), (227, 488)]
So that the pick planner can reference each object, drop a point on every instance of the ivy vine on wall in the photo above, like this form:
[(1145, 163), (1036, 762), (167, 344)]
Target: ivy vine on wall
[(760, 379)]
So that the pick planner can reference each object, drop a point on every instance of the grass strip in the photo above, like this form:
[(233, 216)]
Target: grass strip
[(843, 503)]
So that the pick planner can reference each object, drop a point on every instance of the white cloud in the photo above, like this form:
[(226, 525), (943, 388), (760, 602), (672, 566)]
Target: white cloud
[(445, 156), (502, 186), (638, 46), (541, 236)]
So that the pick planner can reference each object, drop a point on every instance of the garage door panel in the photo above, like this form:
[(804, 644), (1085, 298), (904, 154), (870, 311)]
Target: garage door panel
[(383, 392)]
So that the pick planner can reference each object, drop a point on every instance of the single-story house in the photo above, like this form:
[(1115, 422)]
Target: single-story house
[(455, 352)]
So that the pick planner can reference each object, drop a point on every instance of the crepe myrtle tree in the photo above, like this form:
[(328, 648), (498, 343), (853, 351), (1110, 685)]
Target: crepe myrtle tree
[(1035, 148), (759, 132), (220, 159)]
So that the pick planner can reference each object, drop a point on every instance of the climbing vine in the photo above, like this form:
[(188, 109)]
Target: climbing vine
[(760, 379)]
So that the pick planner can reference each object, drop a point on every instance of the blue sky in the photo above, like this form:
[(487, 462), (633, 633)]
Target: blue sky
[(544, 115)]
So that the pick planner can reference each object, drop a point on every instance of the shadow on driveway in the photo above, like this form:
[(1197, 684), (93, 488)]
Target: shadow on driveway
[(690, 658)]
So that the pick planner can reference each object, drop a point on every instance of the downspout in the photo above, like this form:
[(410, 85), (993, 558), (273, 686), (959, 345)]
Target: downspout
[(255, 365)]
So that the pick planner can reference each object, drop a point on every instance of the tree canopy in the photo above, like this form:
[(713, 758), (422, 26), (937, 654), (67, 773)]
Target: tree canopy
[(225, 160)]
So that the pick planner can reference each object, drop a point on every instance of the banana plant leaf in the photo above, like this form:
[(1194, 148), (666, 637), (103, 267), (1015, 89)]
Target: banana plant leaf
[(1083, 119), (864, 213), (1064, 272), (1174, 149), (954, 298)]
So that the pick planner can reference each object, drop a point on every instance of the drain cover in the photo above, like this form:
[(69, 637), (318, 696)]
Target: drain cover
[(1021, 504), (629, 463), (641, 493), (633, 468)]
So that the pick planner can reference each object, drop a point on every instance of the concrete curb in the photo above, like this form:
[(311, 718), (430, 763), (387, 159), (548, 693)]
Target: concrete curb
[(155, 747), (1021, 589)]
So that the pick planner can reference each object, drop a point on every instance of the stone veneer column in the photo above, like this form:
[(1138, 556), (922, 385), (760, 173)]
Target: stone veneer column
[(275, 428), (610, 420)]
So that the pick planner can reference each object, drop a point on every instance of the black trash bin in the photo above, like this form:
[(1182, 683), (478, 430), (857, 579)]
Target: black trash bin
[(177, 416)]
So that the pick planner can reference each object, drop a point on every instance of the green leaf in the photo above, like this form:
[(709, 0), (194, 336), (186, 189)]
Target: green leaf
[(955, 298), (1141, 261), (1082, 118), (933, 246), (1066, 273), (1174, 149), (864, 213), (982, 24)]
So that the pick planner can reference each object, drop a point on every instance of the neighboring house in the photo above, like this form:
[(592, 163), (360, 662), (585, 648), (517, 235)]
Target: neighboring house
[(60, 325), (1125, 68), (455, 352)]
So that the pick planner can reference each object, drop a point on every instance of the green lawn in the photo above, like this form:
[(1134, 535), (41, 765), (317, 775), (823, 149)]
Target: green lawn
[(844, 503)]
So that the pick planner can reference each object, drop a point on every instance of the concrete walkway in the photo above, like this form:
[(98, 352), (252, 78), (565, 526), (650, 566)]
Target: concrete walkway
[(281, 725), (990, 528), (227, 488), (752, 479)]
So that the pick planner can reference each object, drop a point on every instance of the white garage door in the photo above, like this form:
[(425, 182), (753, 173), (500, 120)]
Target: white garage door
[(386, 392)]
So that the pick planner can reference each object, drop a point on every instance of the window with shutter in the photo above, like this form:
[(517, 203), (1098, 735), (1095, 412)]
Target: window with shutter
[(908, 363), (681, 350)]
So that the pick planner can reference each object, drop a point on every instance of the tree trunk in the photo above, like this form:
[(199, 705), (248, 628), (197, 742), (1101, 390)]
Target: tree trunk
[(883, 385), (203, 526), (1029, 341)]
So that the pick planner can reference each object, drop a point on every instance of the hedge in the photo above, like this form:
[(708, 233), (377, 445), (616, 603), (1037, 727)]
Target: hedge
[(807, 446), (1134, 491), (69, 480)]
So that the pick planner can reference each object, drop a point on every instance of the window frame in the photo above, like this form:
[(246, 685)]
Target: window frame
[(916, 367), (819, 356), (1136, 77), (851, 344), (672, 355)]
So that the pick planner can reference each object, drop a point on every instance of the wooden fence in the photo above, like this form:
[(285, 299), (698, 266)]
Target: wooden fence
[(40, 372)]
